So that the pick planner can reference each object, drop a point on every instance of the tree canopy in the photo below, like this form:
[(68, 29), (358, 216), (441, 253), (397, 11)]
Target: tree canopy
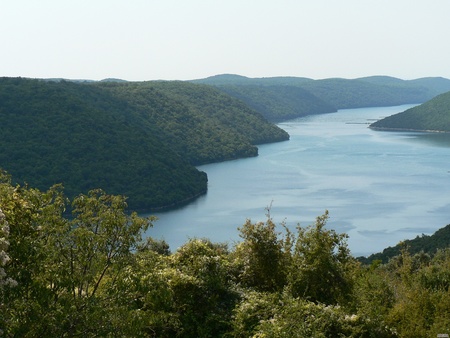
[(433, 115), (141, 140), (90, 274)]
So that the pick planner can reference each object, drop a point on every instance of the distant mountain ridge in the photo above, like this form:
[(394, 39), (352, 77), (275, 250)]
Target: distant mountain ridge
[(276, 99), (279, 102)]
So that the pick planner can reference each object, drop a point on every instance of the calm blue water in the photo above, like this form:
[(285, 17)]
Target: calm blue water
[(379, 187)]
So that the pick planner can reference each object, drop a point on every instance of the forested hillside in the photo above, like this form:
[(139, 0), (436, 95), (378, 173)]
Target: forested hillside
[(344, 94), (90, 275), (325, 95), (425, 244), (139, 140), (201, 123), (278, 103), (433, 115)]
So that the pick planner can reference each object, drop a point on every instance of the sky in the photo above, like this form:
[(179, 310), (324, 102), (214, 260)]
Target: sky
[(140, 40)]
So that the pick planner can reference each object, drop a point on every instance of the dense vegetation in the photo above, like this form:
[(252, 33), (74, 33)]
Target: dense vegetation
[(325, 94), (201, 123), (279, 102), (135, 139), (433, 115), (344, 94), (424, 243), (90, 275)]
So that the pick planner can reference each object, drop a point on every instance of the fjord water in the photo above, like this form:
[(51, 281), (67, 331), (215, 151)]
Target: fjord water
[(379, 187)]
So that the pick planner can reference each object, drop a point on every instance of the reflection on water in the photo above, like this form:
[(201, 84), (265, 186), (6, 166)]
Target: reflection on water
[(379, 187), (433, 139)]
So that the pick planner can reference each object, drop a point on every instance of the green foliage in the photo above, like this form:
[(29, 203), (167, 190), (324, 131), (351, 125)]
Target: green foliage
[(315, 265), (322, 267), (159, 246), (262, 257), (90, 275), (299, 318), (187, 294), (277, 103), (205, 303), (254, 308), (424, 243), (61, 265), (5, 281), (85, 138), (433, 115), (140, 140), (199, 122)]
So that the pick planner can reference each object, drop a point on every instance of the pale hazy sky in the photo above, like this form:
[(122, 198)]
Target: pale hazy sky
[(188, 39)]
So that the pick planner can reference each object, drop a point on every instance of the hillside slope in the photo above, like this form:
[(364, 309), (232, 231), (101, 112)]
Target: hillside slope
[(136, 140), (199, 122), (433, 115), (427, 244), (338, 93), (85, 138), (279, 102), (356, 93)]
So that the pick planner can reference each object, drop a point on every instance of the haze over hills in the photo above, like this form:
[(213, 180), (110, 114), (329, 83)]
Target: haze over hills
[(327, 94), (433, 115), (279, 102)]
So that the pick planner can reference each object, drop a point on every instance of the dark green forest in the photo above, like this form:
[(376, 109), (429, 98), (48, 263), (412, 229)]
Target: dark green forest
[(433, 115), (92, 275), (143, 139), (278, 103), (140, 140), (199, 122)]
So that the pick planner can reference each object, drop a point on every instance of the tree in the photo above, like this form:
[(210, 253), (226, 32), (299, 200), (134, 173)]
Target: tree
[(23, 208), (5, 281), (295, 317), (90, 250), (322, 267), (263, 257), (186, 294), (62, 266)]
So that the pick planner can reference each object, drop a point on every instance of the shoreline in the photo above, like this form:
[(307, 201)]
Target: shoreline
[(410, 130)]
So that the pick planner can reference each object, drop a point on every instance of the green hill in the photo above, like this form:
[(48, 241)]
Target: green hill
[(233, 79), (374, 91), (133, 139), (433, 115), (383, 80), (199, 122), (427, 244), (345, 94), (276, 98), (435, 85), (279, 102), (429, 86)]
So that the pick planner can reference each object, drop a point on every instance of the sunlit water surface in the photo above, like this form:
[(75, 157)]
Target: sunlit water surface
[(379, 187)]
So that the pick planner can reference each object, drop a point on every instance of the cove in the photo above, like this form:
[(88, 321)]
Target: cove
[(379, 187)]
